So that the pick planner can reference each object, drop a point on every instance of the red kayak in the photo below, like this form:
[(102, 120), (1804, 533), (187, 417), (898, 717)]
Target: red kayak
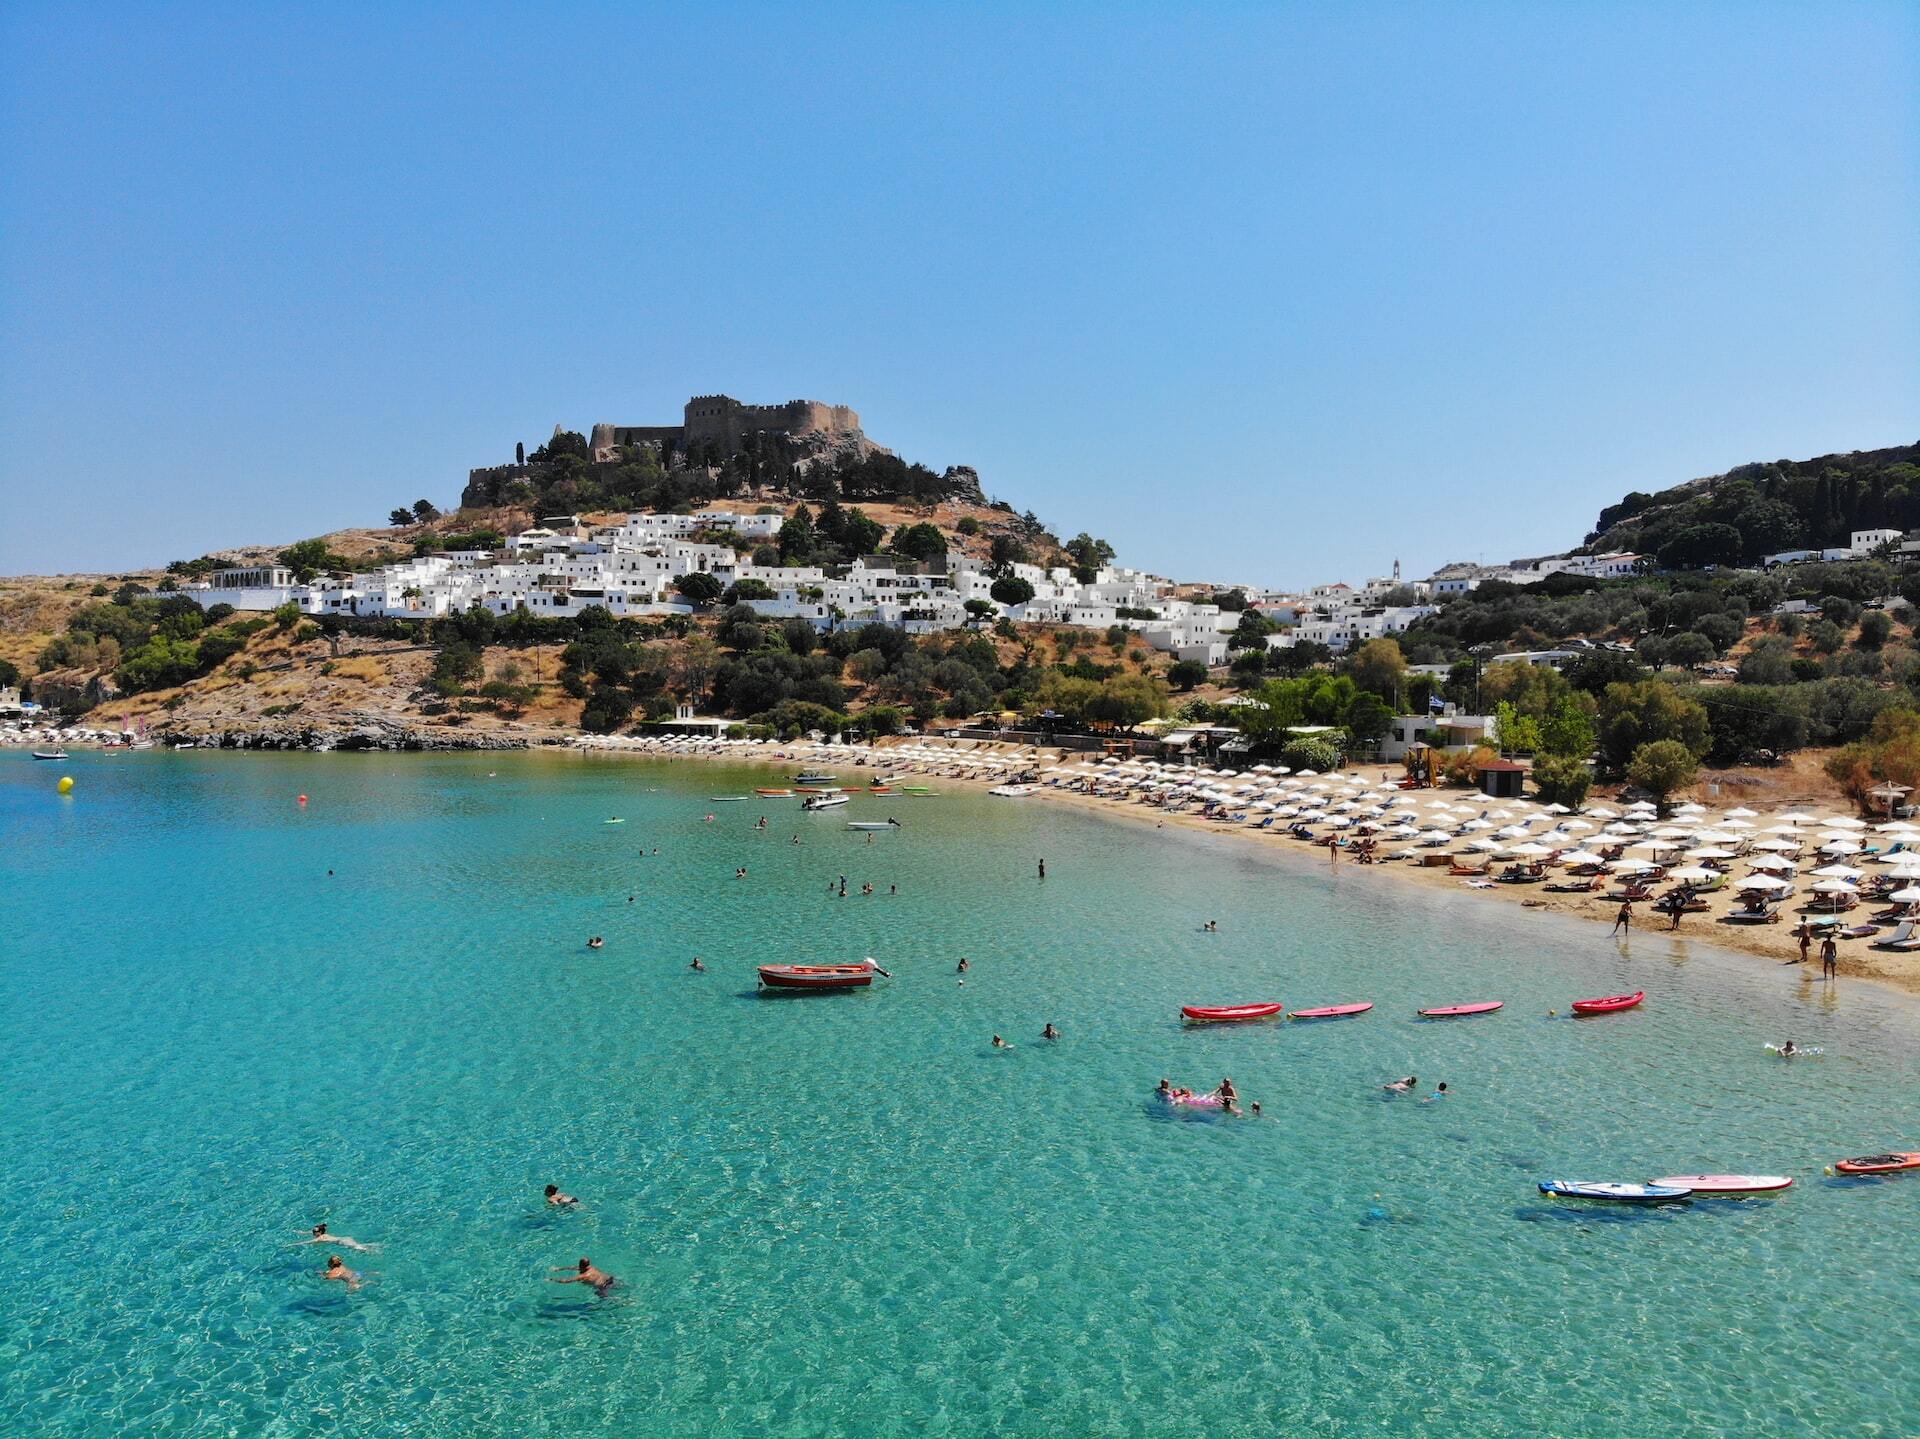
[(1611, 1004), (1879, 1164), (1333, 1011), (816, 976), (1227, 1014), (1457, 1011)]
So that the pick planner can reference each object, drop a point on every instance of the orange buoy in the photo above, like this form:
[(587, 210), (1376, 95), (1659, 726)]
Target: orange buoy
[(303, 799)]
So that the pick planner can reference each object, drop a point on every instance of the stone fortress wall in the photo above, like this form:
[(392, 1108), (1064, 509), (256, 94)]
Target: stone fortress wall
[(727, 422)]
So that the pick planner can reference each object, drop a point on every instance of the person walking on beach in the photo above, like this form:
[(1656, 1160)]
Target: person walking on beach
[(1829, 959), (587, 1274), (1624, 919)]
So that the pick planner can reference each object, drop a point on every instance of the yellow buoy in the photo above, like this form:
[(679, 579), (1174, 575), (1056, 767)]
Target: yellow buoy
[(66, 784)]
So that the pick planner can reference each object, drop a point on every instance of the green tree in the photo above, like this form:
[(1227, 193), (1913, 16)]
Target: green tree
[(308, 558), (1632, 715), (1129, 700), (743, 591), (1566, 732), (1010, 590), (1183, 675), (400, 516), (1369, 716), (1562, 779), (1690, 650), (979, 609), (699, 587), (1379, 666), (1307, 753), (424, 510), (1661, 767), (1876, 628), (919, 542)]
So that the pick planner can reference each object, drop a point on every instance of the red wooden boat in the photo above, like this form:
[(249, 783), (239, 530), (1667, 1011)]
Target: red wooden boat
[(1879, 1164), (1228, 1013), (817, 976), (1332, 1011), (1611, 1004), (1459, 1011)]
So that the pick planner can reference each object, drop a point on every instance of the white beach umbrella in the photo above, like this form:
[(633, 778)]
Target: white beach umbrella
[(1837, 871), (1908, 895), (1775, 844), (1710, 852), (1842, 821), (1602, 812), (1581, 856), (1691, 874), (1795, 817), (1743, 813), (1764, 882), (1532, 851), (1839, 846), (1769, 862), (1834, 886)]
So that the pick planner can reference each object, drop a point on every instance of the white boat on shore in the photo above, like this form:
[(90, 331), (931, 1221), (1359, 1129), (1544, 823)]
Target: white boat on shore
[(1011, 791)]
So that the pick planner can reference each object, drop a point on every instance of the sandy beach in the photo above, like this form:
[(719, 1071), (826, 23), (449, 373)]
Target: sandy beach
[(1059, 778)]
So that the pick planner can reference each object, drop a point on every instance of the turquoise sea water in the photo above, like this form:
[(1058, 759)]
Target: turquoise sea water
[(846, 1214)]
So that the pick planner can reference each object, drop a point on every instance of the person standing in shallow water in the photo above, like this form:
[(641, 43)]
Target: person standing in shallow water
[(1624, 919), (1829, 958), (1043, 869)]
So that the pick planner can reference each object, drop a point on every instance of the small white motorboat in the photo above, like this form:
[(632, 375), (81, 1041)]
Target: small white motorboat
[(874, 824), (1012, 791), (822, 801), (49, 754)]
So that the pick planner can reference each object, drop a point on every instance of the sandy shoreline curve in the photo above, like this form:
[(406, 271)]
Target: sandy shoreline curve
[(983, 764)]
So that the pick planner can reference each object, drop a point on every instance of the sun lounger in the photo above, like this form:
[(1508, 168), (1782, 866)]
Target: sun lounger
[(1901, 937)]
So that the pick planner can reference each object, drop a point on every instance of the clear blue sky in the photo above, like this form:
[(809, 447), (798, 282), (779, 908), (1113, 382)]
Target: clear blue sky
[(1267, 292)]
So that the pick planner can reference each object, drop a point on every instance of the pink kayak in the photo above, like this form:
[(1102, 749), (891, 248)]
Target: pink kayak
[(1334, 1011), (1728, 1184), (1228, 1013), (1456, 1011), (1611, 1004)]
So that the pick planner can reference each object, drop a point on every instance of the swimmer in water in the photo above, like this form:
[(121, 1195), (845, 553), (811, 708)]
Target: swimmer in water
[(1402, 1086), (556, 1198), (337, 1269), (596, 942), (697, 965), (963, 966), (318, 1235), (999, 1043), (1255, 1108), (1440, 1092), (1164, 1089), (1787, 1050), (585, 1273), (1049, 1032)]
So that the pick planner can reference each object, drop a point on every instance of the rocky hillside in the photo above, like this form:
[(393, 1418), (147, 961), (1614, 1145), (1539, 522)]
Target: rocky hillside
[(1761, 509)]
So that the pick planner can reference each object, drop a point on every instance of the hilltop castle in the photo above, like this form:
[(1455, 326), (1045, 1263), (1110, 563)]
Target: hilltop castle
[(727, 423)]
